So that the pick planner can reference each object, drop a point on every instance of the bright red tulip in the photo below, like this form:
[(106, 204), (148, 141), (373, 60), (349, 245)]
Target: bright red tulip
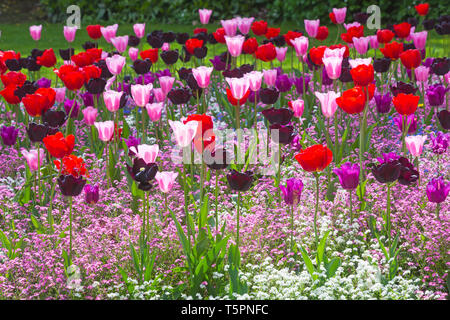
[(352, 101), (291, 35), (316, 55), (59, 146), (385, 36), (315, 158), (73, 80), (362, 75), (250, 46), (94, 31), (8, 94), (422, 9), (191, 44), (37, 103), (405, 104), (200, 30), (392, 50), (266, 52), (48, 58), (332, 17), (411, 59), (402, 30), (91, 72), (13, 77), (259, 28), (322, 33), (353, 32), (82, 59), (151, 54), (219, 35), (272, 33)]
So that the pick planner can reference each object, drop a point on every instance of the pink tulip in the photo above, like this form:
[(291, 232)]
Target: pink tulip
[(446, 77), (255, 80), (204, 14), (281, 53), (311, 27), (90, 115), (202, 75), (141, 93), (184, 133), (69, 33), (32, 158), (166, 180), (133, 53), (115, 64), (159, 94), (339, 15), (230, 27), (358, 61), (234, 45), (112, 100), (238, 86), (35, 32), (415, 144), (166, 84), (154, 110), (300, 45), (420, 39), (244, 25), (328, 102), (109, 83), (109, 32), (270, 76), (60, 94), (139, 30), (411, 32), (353, 24), (373, 40), (422, 73), (333, 66), (105, 130), (297, 106), (336, 53), (120, 43), (165, 46), (361, 44), (146, 152)]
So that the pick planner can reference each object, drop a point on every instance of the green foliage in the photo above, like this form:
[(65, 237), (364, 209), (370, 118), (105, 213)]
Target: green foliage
[(181, 11)]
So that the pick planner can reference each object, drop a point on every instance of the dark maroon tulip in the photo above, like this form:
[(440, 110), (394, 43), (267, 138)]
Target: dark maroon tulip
[(412, 21), (66, 53), (54, 119), (37, 132), (440, 66), (233, 73), (179, 96), (211, 38), (345, 76), (387, 172), (219, 159), (428, 24), (186, 56), (106, 74), (282, 134), (442, 28), (201, 36), (191, 82), (253, 97), (36, 53), (133, 41), (408, 174), (381, 65), (278, 116), (89, 45), (408, 46), (361, 17), (279, 41), (182, 38), (8, 135), (169, 36), (92, 193), (444, 119), (155, 41), (402, 87), (200, 53), (31, 64), (225, 57), (71, 186), (268, 95), (27, 88), (96, 86), (246, 68), (13, 64), (142, 66), (183, 73), (142, 173), (240, 181), (169, 56)]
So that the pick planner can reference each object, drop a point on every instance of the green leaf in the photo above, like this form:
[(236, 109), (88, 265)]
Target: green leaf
[(203, 213), (333, 266), (321, 248), (308, 263)]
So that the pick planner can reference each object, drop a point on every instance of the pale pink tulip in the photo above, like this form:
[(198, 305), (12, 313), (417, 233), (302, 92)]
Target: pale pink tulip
[(202, 75), (270, 76), (356, 62), (339, 14), (373, 40), (415, 144), (333, 67), (244, 25), (109, 32), (312, 27), (281, 53), (115, 64), (238, 86), (159, 94), (422, 73), (205, 15), (420, 39), (90, 115), (328, 102), (154, 110), (69, 33), (60, 94), (165, 46), (300, 45), (146, 152), (112, 99), (139, 30), (411, 32), (361, 44), (133, 53), (297, 106), (32, 158), (141, 93), (255, 80), (234, 45), (166, 84), (35, 32), (105, 130), (120, 43), (166, 179), (184, 133), (337, 53), (353, 24), (230, 27)]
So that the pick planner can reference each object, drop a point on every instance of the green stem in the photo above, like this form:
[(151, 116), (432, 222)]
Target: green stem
[(351, 205), (292, 227), (70, 227), (388, 213), (316, 236), (237, 219), (216, 195)]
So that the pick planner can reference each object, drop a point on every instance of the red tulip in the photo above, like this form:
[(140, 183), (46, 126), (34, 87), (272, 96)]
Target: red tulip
[(362, 75), (371, 88), (82, 59), (316, 55), (200, 30), (405, 104), (352, 100), (234, 101), (291, 35), (151, 54), (402, 30), (91, 72), (353, 32), (72, 165), (385, 36), (266, 52), (259, 28), (13, 77), (250, 46), (422, 9), (332, 17), (6, 55), (48, 58), (8, 94), (322, 33), (272, 33), (392, 50), (73, 80), (94, 31), (411, 59), (204, 136), (219, 35), (315, 158), (95, 53), (58, 146), (191, 44), (37, 103)]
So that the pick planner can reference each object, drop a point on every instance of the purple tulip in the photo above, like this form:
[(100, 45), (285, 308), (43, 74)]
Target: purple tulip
[(348, 175), (411, 121), (9, 135), (437, 190), (218, 64), (283, 83), (92, 193), (44, 83), (383, 102), (439, 142), (88, 99), (326, 81), (292, 191), (68, 105), (298, 82), (436, 95)]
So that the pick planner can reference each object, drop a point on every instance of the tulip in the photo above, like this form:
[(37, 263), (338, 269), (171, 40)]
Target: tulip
[(146, 152), (120, 43), (59, 146), (35, 32), (392, 50), (383, 102), (352, 101), (115, 64), (278, 116), (339, 14), (166, 179), (141, 94), (69, 33), (440, 142), (419, 39), (54, 118), (219, 159), (270, 77), (234, 44), (92, 193), (422, 9), (268, 95), (112, 100), (422, 73), (32, 158), (437, 191), (244, 25), (105, 130), (281, 53), (141, 66), (408, 174), (381, 65), (72, 108), (415, 144), (143, 173), (444, 119), (328, 102), (205, 15), (411, 58), (179, 96), (60, 94), (373, 40), (283, 83), (9, 135), (44, 83), (440, 66), (238, 86), (90, 115), (255, 80), (300, 45), (109, 32), (405, 104), (402, 30), (436, 95), (37, 132), (302, 84), (230, 27), (402, 87), (202, 75), (333, 67), (139, 30), (411, 123), (184, 133), (71, 186), (159, 95), (348, 175), (154, 110), (166, 84), (361, 44), (354, 63), (311, 27)]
